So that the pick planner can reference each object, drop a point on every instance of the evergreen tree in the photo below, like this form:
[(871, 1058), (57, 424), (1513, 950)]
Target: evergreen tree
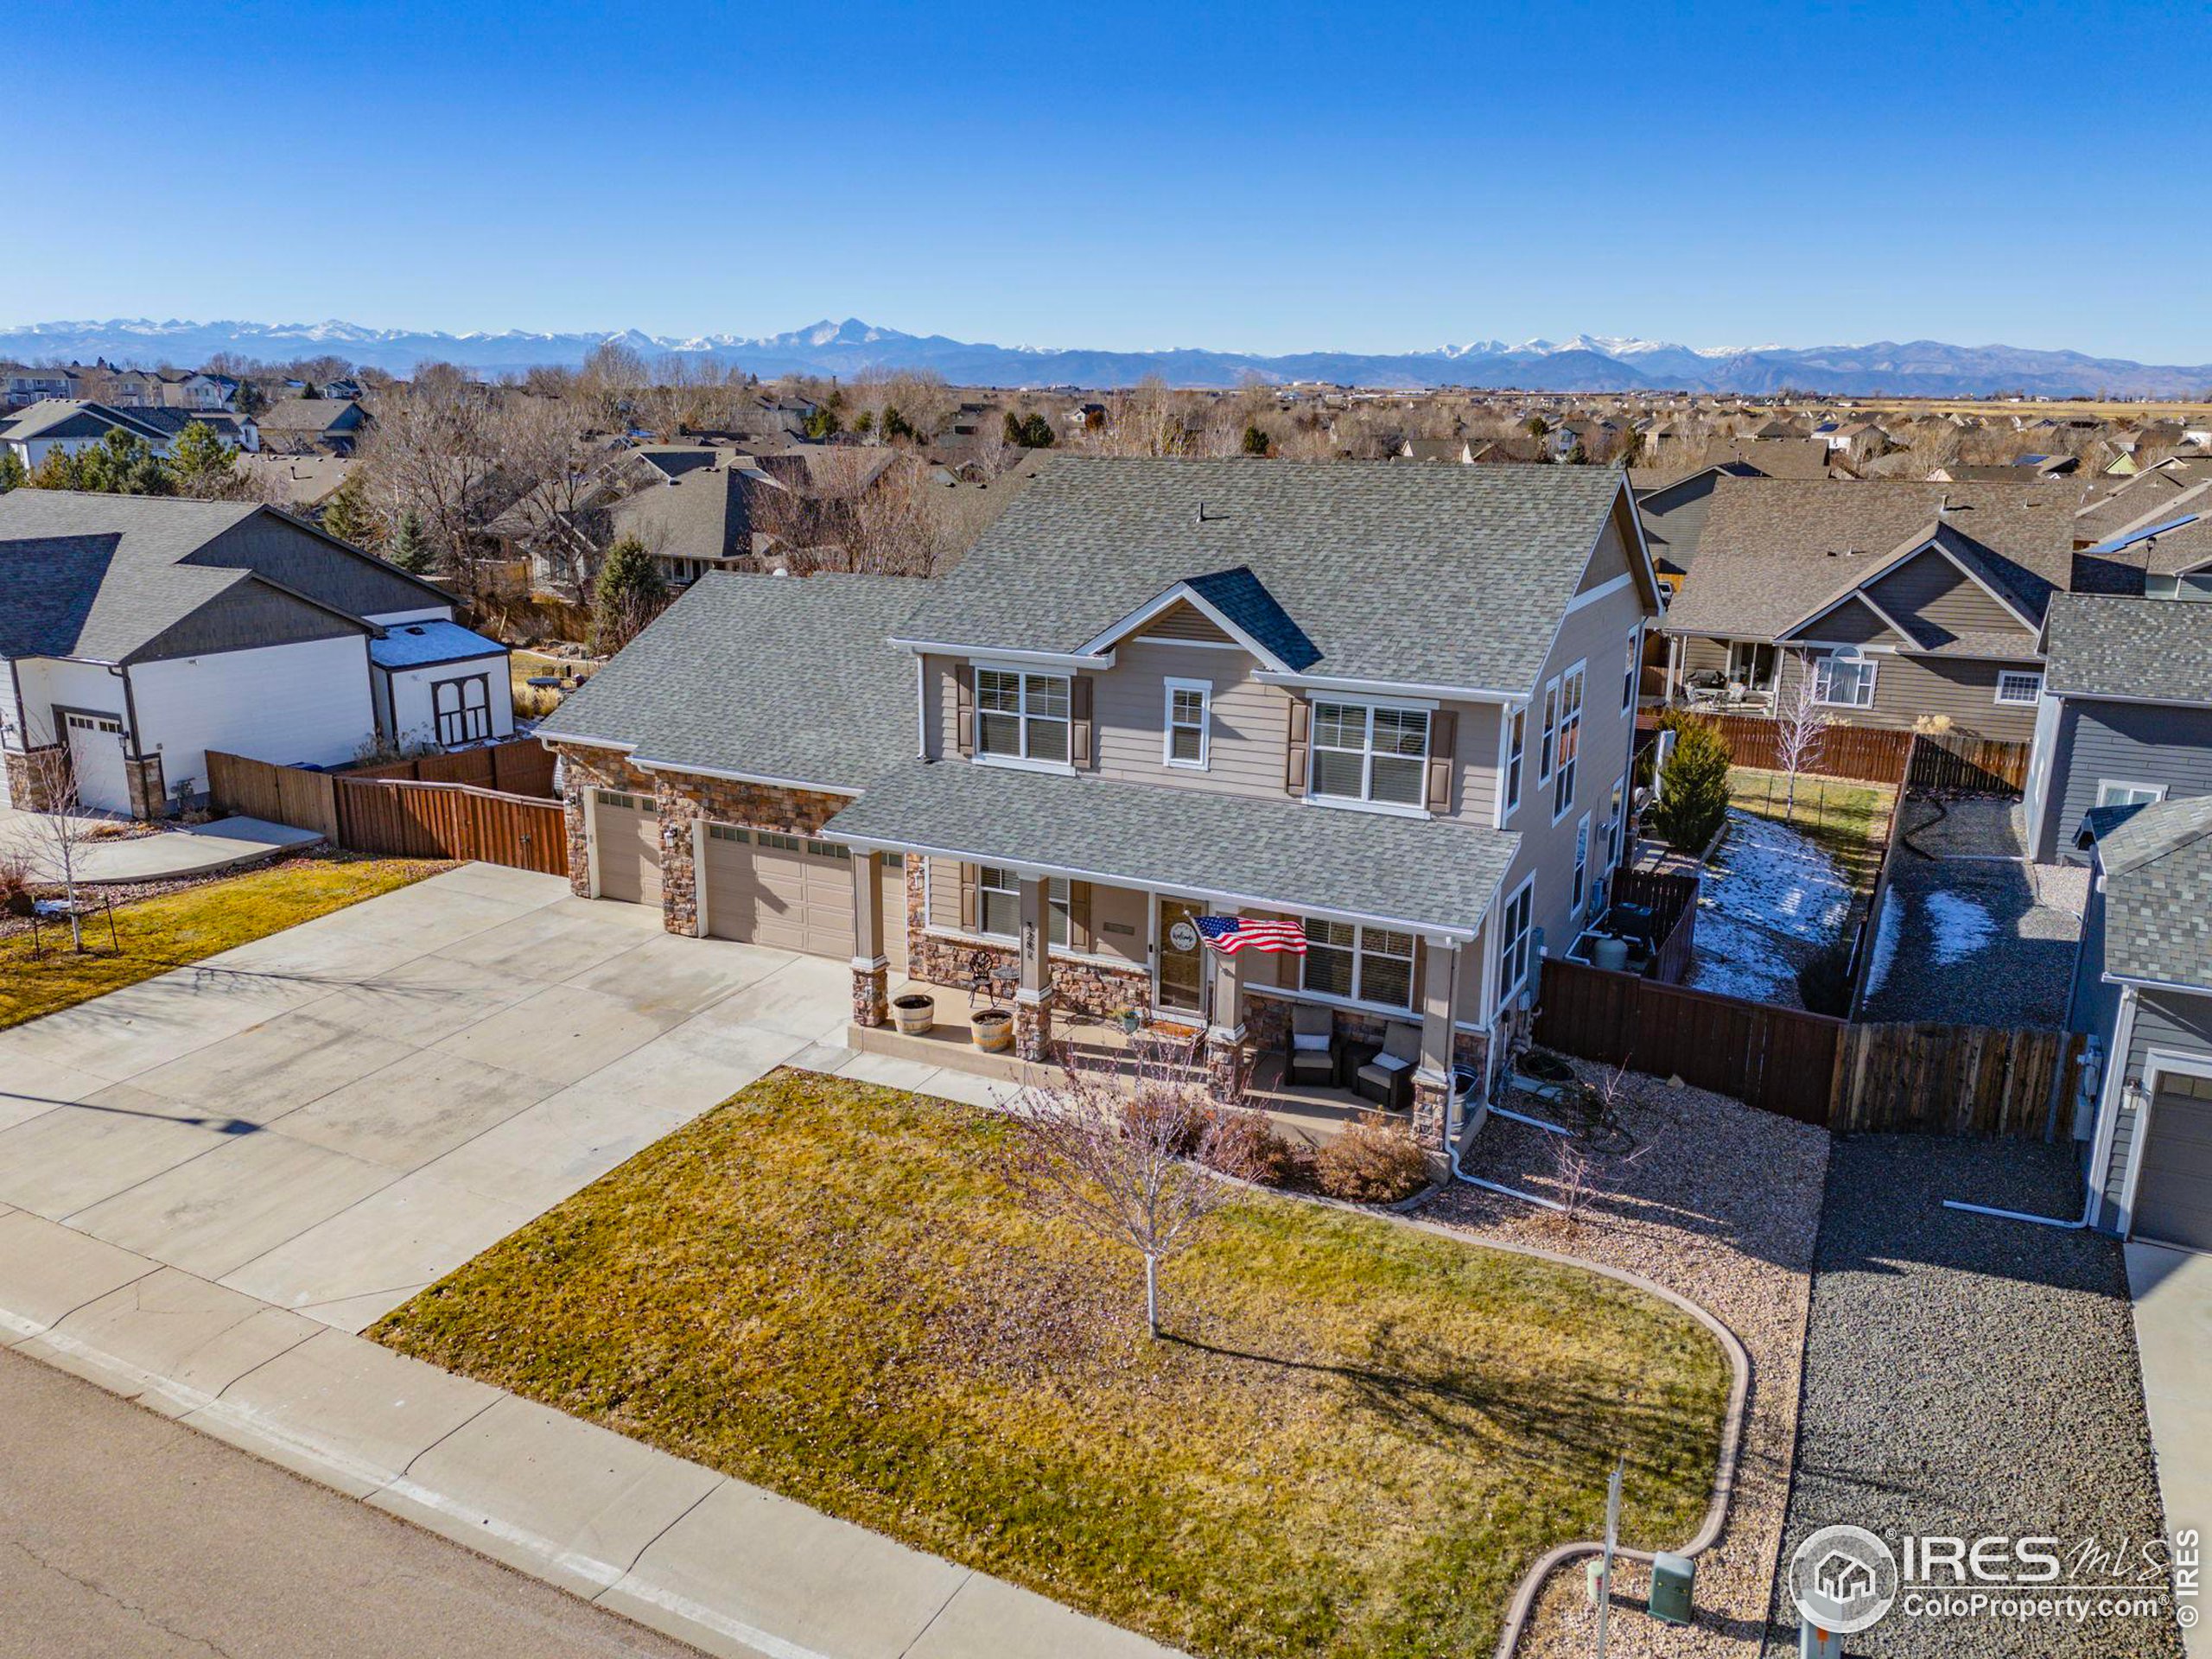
[(12, 475), (56, 470), (410, 547), (248, 399), (824, 424), (630, 592), (1693, 788), (203, 461), (346, 514), (1036, 432), (119, 464), (1255, 441), (896, 425)]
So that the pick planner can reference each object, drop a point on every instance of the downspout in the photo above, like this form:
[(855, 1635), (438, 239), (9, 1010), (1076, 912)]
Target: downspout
[(2090, 1190)]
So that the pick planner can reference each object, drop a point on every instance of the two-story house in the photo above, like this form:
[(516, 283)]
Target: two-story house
[(1393, 705), (1910, 604), (2125, 717)]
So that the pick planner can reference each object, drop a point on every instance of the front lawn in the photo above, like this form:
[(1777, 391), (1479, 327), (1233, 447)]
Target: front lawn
[(1354, 1440), (178, 928)]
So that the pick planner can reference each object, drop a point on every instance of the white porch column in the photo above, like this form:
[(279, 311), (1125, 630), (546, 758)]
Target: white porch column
[(1433, 1077), (1033, 1001), (871, 967)]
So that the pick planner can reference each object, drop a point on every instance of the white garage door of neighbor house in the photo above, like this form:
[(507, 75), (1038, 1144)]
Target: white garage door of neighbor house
[(791, 893), (2173, 1195), (625, 848), (96, 758)]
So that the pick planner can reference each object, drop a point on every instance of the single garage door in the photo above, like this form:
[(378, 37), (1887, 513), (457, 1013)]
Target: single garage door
[(784, 891), (2173, 1194), (625, 847)]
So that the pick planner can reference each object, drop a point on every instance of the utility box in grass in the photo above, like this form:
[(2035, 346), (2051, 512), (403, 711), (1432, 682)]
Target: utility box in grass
[(1671, 1577)]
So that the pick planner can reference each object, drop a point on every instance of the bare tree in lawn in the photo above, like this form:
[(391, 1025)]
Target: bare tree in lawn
[(55, 840), (1130, 1157), (1801, 725)]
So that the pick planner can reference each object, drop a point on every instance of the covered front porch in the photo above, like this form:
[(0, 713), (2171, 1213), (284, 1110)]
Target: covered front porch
[(1393, 906), (1310, 1109)]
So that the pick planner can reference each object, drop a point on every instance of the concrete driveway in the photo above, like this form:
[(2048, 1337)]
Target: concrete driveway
[(335, 1116), (2171, 1292)]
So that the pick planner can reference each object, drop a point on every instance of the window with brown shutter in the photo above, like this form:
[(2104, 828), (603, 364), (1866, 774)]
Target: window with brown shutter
[(1293, 763), (1080, 725), (1443, 738), (963, 702)]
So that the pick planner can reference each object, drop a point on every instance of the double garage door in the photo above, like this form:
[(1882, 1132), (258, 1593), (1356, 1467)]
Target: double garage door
[(2173, 1193), (789, 892)]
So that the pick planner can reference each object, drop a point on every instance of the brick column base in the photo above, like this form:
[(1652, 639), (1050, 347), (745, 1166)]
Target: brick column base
[(871, 994), (1432, 1098), (1225, 1064), (1033, 1026)]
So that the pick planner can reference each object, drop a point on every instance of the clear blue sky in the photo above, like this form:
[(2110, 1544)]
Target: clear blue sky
[(1265, 178)]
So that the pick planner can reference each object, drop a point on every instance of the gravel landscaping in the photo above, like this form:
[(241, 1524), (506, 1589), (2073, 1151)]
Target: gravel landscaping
[(1970, 933), (1967, 1375), (1720, 1203)]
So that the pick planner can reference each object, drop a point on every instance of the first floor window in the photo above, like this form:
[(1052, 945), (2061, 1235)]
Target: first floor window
[(463, 709), (998, 894), (1022, 716), (2113, 791), (1365, 754), (1514, 940), (2018, 686), (1581, 864), (1627, 680), (1364, 964), (1846, 682)]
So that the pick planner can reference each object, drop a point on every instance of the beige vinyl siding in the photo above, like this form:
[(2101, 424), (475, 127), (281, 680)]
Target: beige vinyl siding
[(1111, 909), (1930, 587), (1908, 690), (1183, 621), (1597, 633), (1250, 723), (1699, 652)]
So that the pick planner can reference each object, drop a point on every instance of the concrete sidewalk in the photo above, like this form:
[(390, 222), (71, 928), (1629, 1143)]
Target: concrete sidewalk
[(193, 849), (729, 1567)]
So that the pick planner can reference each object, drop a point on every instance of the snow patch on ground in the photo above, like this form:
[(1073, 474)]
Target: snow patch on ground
[(1960, 927), (1886, 934), (1770, 897)]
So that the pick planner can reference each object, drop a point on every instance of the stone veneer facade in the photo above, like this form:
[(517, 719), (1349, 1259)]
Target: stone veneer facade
[(32, 773), (141, 776), (681, 800)]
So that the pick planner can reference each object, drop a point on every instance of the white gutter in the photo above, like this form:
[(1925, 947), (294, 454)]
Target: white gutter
[(1390, 688), (1070, 659)]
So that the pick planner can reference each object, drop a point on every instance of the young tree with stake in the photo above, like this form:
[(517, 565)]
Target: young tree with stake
[(1801, 725)]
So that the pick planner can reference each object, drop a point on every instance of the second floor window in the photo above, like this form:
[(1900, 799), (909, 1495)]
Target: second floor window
[(1366, 753), (1022, 716), (1516, 742), (1187, 702), (1570, 744)]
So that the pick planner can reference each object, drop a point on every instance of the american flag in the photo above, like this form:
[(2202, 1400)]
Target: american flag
[(1229, 934)]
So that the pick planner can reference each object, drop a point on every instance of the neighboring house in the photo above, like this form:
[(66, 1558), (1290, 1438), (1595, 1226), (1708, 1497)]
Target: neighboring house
[(692, 516), (73, 425), (2127, 713), (1911, 603), (299, 424), (1156, 689), (195, 389), (1674, 518), (302, 485), (20, 388), (348, 390), (237, 431), (139, 632), (2142, 990), (1451, 451)]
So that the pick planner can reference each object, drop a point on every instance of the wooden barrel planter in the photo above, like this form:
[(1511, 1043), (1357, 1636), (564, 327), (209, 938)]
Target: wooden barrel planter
[(992, 1030), (914, 1013)]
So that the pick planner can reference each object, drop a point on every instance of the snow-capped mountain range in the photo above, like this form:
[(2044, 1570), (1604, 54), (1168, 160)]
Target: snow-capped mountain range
[(1585, 363)]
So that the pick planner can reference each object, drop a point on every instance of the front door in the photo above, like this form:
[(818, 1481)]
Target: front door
[(1179, 977)]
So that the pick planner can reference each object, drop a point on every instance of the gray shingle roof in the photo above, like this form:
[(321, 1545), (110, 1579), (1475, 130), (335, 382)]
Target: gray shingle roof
[(1774, 550), (306, 414), (1434, 575), (2158, 893), (781, 678), (696, 514), (2103, 647), (1259, 850), (76, 418)]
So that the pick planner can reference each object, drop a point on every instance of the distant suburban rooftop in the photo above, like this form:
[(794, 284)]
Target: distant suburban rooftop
[(78, 417), (787, 679), (2158, 870), (2101, 646), (1420, 575)]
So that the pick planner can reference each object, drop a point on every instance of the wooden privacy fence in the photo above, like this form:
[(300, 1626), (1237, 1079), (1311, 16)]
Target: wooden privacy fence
[(1935, 1079), (1780, 1059), (1672, 900), (1870, 754), (524, 766), (411, 820), (258, 789), (1970, 765), (1957, 1079)]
